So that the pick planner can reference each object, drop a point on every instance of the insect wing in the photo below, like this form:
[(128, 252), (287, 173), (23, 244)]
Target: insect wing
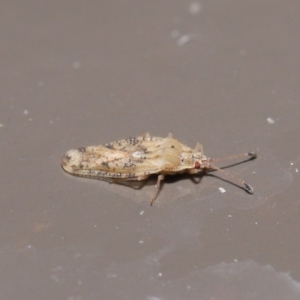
[(128, 159)]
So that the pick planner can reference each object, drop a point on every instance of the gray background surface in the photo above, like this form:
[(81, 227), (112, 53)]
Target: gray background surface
[(77, 73)]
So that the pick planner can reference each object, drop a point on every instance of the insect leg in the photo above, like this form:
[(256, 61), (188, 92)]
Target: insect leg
[(159, 179)]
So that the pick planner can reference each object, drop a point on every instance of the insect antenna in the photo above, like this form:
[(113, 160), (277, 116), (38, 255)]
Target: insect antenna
[(247, 187), (248, 155)]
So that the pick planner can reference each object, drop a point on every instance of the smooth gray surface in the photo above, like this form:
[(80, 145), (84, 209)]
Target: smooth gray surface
[(222, 73)]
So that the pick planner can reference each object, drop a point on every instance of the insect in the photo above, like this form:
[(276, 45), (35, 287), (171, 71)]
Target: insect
[(139, 157)]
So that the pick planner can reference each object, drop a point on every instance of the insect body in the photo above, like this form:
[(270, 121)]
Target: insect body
[(138, 158)]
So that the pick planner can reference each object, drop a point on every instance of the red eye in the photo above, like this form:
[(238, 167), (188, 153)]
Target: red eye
[(197, 165)]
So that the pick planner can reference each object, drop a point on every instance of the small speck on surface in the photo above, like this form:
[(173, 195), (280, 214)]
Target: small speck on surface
[(270, 120), (222, 190), (183, 40), (195, 8), (76, 65), (153, 298)]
